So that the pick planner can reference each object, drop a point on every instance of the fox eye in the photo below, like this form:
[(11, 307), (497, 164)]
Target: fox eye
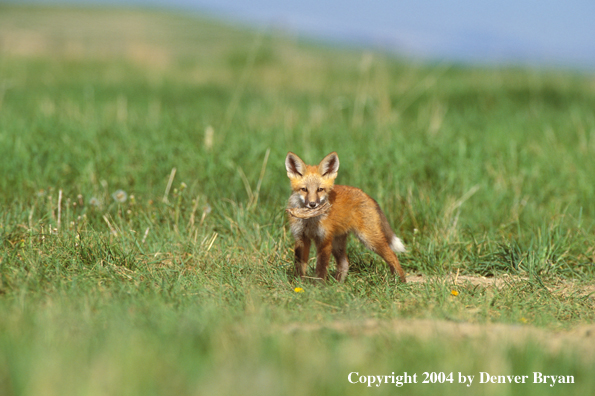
[(320, 189), (304, 189)]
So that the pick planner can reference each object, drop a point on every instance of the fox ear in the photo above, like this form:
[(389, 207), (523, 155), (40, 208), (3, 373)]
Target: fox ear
[(329, 165), (294, 165)]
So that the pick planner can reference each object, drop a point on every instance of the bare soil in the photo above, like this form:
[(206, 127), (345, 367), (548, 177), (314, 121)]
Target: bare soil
[(564, 287)]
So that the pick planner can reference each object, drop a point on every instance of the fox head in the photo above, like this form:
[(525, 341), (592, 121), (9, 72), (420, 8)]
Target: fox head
[(312, 183)]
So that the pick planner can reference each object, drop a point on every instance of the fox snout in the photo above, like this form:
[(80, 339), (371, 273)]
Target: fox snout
[(313, 196), (309, 200)]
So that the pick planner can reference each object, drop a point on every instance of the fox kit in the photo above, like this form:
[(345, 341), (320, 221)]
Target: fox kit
[(351, 211)]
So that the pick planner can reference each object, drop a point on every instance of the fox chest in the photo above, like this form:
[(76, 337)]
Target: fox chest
[(308, 228)]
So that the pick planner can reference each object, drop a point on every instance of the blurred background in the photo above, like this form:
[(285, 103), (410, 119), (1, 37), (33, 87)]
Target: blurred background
[(525, 32)]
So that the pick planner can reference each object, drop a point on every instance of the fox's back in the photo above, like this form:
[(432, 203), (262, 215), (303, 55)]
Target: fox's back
[(351, 210)]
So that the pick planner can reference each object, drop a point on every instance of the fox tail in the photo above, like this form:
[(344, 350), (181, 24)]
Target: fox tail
[(397, 245)]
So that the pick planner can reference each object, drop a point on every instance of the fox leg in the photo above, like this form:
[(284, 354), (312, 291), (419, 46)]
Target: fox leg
[(391, 259), (380, 246), (340, 254), (302, 253), (323, 256)]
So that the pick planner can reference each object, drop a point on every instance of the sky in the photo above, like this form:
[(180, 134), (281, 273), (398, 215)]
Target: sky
[(546, 32)]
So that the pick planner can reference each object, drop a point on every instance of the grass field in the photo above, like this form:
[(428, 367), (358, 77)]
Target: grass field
[(144, 248)]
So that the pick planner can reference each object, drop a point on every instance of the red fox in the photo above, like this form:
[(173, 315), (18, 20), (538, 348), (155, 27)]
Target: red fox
[(351, 211)]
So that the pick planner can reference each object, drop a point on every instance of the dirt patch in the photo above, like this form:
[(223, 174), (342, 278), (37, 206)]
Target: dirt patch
[(454, 279), (557, 286)]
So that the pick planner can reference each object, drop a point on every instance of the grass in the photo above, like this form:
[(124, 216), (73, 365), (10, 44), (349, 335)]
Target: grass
[(187, 287)]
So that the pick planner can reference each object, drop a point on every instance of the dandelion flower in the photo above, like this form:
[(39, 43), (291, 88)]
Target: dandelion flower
[(298, 290), (94, 202), (454, 293), (120, 196)]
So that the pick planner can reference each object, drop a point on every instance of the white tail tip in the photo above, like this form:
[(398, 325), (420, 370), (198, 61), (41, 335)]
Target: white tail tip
[(397, 245)]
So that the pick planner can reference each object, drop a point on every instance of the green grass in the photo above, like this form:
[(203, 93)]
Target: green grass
[(190, 289)]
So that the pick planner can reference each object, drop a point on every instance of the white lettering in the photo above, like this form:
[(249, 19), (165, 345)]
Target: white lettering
[(569, 379), (464, 378), (553, 377), (399, 381)]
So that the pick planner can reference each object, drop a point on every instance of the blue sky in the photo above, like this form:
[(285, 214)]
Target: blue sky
[(545, 32)]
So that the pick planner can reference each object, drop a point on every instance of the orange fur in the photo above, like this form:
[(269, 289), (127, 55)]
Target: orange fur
[(352, 211)]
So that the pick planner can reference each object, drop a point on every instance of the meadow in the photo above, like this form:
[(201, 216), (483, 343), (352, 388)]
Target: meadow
[(144, 247)]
